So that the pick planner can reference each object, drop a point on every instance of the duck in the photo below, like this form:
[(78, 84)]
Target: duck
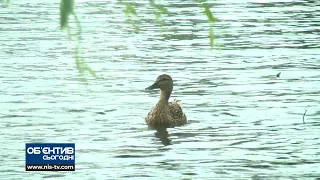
[(165, 113)]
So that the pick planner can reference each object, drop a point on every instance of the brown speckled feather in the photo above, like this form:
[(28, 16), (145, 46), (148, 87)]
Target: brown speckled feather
[(179, 118), (166, 115)]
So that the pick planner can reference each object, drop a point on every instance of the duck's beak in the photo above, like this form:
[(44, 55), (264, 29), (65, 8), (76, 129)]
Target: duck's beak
[(153, 86)]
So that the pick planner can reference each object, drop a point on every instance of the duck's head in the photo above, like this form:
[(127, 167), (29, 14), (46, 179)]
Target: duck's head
[(163, 82)]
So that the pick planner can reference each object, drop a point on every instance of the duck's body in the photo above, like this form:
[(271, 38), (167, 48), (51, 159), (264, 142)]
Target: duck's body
[(168, 114)]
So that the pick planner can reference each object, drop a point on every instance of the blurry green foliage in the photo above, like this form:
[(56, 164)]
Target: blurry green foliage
[(158, 13), (160, 10), (67, 9), (211, 20), (207, 12), (130, 11)]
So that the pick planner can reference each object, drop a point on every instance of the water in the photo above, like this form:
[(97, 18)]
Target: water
[(244, 122)]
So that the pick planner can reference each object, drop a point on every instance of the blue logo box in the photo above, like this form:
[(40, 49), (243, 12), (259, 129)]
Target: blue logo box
[(50, 156)]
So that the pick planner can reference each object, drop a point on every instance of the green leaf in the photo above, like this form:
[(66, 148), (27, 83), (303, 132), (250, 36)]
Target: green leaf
[(211, 35), (158, 7), (209, 14), (131, 10), (66, 8)]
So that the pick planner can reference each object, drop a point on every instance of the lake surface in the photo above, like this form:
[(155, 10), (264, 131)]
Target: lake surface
[(244, 121)]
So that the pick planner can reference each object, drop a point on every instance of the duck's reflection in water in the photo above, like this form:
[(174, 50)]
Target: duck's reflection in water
[(162, 134)]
